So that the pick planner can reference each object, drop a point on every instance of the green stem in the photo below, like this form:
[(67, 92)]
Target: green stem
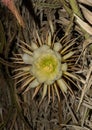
[(69, 26), (69, 11), (75, 8)]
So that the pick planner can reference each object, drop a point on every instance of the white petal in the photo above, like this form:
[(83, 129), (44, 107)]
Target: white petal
[(34, 46), (33, 84), (68, 55), (71, 75), (57, 46), (64, 67), (27, 68), (27, 58), (38, 52), (44, 91), (62, 85)]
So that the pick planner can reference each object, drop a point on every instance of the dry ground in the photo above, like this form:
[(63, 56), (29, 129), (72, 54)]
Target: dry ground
[(20, 112)]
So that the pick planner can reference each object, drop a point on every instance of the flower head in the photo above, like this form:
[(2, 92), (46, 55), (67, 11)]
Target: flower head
[(46, 65)]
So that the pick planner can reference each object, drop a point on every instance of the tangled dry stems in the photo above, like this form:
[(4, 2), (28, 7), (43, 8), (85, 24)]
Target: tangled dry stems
[(71, 110)]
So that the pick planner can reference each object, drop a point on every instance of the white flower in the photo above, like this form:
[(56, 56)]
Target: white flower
[(45, 65)]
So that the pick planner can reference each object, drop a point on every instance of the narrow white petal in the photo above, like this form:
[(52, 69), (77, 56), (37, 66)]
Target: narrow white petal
[(57, 92), (68, 55), (57, 46), (71, 75), (40, 51), (44, 91), (27, 58), (27, 68), (27, 52), (64, 67), (62, 85), (36, 91), (33, 84), (38, 37)]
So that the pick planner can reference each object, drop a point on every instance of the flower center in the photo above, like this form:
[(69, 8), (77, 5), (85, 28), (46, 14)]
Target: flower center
[(46, 66)]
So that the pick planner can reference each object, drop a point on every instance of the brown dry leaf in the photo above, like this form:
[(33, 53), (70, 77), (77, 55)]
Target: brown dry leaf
[(11, 6), (87, 14), (86, 87), (88, 2), (87, 42), (75, 127), (84, 25)]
